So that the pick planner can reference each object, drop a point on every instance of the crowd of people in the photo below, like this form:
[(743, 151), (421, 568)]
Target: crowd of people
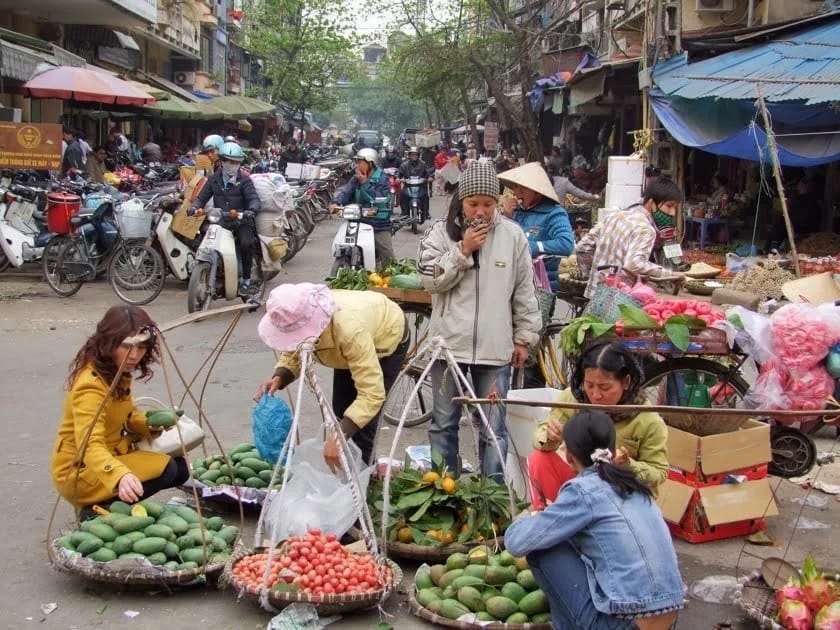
[(597, 543)]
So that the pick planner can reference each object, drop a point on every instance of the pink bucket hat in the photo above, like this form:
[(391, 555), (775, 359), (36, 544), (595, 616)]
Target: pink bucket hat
[(296, 313)]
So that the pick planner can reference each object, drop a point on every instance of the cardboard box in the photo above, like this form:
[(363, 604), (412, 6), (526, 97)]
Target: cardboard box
[(625, 171), (716, 512), (622, 196), (701, 481), (723, 452)]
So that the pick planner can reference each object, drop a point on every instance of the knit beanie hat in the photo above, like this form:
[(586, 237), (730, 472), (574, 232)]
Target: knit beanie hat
[(479, 179)]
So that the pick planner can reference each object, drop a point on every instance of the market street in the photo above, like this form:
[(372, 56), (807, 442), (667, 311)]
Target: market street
[(40, 333)]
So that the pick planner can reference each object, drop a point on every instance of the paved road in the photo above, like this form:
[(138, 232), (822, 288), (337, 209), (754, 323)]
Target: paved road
[(40, 332)]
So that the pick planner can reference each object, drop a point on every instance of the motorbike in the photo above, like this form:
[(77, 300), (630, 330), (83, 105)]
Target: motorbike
[(215, 274), (177, 252), (415, 190), (668, 254), (354, 246), (23, 229)]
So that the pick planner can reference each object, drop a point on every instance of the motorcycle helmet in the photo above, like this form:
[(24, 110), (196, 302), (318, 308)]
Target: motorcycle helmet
[(212, 141), (231, 139), (231, 151), (413, 150), (367, 155)]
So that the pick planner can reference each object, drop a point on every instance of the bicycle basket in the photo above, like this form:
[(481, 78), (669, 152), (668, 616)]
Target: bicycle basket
[(133, 220)]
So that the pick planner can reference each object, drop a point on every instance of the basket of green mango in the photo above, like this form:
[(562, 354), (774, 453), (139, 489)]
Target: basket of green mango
[(146, 545), (243, 476), (480, 589)]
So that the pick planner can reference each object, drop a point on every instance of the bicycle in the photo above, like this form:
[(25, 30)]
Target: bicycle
[(93, 243)]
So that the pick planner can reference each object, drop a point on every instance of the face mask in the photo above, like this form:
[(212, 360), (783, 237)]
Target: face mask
[(662, 219), (229, 171)]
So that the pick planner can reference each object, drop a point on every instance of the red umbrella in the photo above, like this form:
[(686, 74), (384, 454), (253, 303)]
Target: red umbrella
[(84, 84)]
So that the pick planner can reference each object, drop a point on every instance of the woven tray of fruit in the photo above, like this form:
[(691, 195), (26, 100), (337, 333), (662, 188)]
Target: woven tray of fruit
[(314, 568), (245, 480), (480, 589), (433, 515), (148, 544)]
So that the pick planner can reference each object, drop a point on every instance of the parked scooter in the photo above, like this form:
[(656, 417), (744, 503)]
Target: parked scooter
[(668, 254), (23, 229), (354, 246), (216, 271)]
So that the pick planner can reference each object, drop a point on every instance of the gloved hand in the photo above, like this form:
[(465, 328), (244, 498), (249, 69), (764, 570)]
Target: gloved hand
[(163, 417), (249, 215)]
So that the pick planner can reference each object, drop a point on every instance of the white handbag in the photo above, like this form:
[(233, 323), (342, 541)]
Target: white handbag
[(169, 442)]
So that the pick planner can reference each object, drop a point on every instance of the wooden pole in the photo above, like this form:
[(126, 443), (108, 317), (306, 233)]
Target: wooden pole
[(777, 172), (708, 411)]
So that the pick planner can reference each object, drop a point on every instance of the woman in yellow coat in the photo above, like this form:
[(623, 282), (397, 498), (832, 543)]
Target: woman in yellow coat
[(108, 465)]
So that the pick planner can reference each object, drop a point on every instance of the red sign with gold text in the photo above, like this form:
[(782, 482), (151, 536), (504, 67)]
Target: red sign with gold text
[(30, 145)]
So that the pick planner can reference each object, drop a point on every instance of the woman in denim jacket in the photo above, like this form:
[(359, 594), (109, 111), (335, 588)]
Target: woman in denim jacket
[(601, 552)]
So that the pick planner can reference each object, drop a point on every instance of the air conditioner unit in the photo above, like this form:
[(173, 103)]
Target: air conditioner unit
[(715, 5), (187, 79)]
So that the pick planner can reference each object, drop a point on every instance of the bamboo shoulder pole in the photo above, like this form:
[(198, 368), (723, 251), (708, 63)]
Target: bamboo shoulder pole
[(777, 173), (707, 411)]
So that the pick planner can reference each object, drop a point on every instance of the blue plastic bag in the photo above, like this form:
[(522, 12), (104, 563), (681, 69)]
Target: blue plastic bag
[(272, 420)]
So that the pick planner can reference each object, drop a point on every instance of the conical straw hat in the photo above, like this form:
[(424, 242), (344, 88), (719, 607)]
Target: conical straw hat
[(817, 289), (531, 176)]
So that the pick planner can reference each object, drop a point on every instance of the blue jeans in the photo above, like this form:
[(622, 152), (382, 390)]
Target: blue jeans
[(446, 416), (562, 576)]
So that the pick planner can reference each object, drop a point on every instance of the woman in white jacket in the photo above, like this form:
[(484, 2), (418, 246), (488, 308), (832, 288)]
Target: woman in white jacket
[(477, 265)]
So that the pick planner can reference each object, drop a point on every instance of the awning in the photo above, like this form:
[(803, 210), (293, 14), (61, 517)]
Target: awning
[(237, 108), (83, 84), (126, 41), (725, 128), (169, 86), (175, 108), (21, 63), (798, 67), (160, 95)]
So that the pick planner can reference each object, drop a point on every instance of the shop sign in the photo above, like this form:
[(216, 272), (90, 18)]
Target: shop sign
[(29, 145), (122, 57), (491, 135), (146, 9)]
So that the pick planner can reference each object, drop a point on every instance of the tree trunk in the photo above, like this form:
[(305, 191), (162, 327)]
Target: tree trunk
[(468, 115)]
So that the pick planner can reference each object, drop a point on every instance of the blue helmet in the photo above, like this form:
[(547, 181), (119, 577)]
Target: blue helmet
[(212, 141), (231, 151)]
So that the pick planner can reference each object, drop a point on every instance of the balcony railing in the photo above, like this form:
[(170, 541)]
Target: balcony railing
[(177, 28)]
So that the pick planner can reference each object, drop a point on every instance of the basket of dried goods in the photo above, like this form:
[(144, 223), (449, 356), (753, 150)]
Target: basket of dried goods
[(244, 476), (147, 544), (702, 270), (764, 279), (808, 599), (316, 569), (433, 515), (480, 589)]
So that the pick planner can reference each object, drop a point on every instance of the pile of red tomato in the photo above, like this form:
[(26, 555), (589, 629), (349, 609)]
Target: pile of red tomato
[(315, 563), (662, 310)]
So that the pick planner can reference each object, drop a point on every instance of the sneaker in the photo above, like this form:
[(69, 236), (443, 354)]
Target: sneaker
[(245, 288)]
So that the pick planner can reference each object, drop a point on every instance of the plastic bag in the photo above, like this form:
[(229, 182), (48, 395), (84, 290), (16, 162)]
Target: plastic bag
[(541, 275), (643, 293), (314, 496), (272, 420), (803, 334), (276, 199)]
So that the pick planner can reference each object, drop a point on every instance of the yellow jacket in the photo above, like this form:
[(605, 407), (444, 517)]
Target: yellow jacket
[(110, 451), (204, 163), (366, 327), (645, 437)]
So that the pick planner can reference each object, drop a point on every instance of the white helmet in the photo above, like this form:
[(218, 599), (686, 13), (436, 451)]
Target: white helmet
[(413, 150), (368, 155), (213, 141)]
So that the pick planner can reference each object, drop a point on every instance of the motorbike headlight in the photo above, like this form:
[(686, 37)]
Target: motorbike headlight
[(214, 215)]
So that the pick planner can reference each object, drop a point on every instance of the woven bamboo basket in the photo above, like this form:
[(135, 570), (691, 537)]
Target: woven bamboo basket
[(325, 604), (425, 553), (134, 573), (698, 287), (428, 615), (704, 424)]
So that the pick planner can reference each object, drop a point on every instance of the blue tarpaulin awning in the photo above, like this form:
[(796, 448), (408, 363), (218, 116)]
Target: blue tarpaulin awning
[(713, 104)]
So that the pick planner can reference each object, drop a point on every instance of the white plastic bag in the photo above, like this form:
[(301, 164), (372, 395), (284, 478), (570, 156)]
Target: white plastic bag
[(169, 442), (314, 496), (275, 198)]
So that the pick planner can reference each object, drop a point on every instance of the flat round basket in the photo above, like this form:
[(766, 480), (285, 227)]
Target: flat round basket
[(324, 604), (428, 615), (701, 288), (130, 572), (410, 551), (568, 287), (758, 601), (704, 423), (706, 275)]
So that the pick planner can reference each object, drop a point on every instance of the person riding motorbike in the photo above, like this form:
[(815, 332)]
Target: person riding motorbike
[(368, 184), (233, 190), (207, 160), (292, 154), (414, 167), (391, 159)]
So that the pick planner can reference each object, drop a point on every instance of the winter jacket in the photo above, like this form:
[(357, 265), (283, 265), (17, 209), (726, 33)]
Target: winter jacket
[(563, 186), (366, 327), (364, 194), (413, 169), (630, 560), (484, 303), (549, 232), (110, 451), (645, 437), (240, 195), (73, 157)]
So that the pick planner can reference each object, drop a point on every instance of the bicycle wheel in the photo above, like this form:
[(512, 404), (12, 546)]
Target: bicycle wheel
[(136, 272), (399, 396), (667, 382), (61, 249)]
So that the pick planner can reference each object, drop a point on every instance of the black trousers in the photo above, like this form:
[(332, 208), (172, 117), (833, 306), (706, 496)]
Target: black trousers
[(246, 240), (344, 393), (176, 473)]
